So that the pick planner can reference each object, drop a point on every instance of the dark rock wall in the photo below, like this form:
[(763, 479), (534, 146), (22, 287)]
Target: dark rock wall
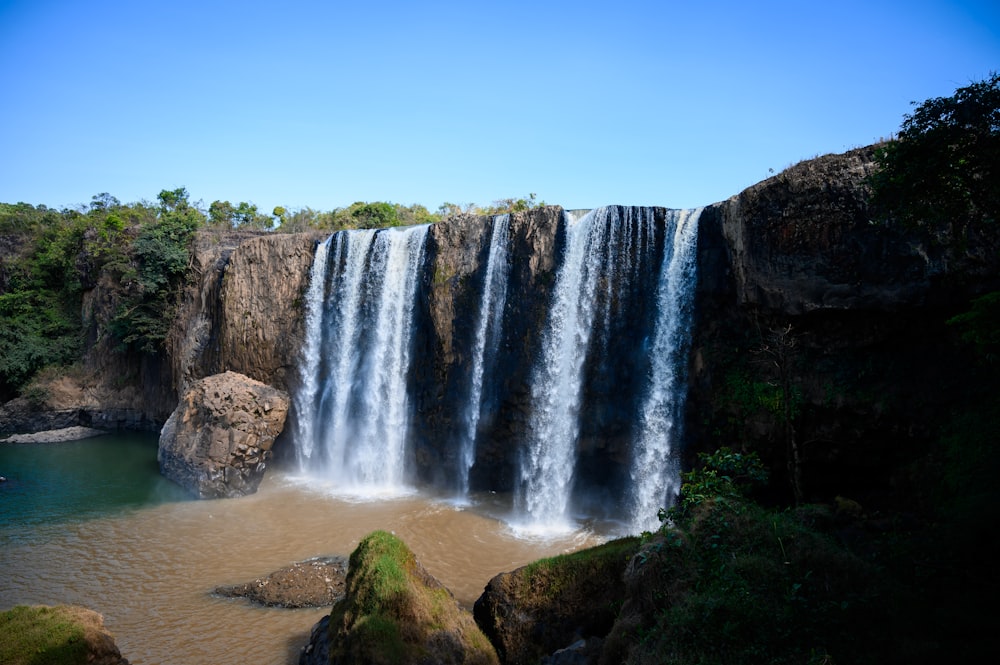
[(875, 369)]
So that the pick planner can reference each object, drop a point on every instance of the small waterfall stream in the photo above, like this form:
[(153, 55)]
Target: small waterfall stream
[(487, 338)]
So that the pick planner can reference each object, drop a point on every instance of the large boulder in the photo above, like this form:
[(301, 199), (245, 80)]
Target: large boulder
[(396, 612), (217, 441), (556, 608)]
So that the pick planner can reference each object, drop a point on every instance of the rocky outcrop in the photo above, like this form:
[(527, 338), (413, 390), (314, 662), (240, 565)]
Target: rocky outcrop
[(873, 368), (396, 612), (59, 634), (218, 440), (565, 604), (317, 582)]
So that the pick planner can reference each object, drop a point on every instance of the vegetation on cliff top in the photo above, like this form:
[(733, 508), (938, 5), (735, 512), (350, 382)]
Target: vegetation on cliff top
[(140, 252), (943, 169)]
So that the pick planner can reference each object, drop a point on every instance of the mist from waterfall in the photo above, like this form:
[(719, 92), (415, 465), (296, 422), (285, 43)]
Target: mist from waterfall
[(487, 338), (353, 405)]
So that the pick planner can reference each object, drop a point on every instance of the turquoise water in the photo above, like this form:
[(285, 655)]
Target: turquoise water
[(77, 480)]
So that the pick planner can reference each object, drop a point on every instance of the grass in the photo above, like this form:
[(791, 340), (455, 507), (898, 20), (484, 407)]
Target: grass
[(41, 636)]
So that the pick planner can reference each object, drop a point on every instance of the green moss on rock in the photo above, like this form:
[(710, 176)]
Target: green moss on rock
[(396, 612), (62, 635), (549, 604)]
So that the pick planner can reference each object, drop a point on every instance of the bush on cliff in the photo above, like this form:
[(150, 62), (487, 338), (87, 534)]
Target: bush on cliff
[(396, 612), (728, 581), (944, 167)]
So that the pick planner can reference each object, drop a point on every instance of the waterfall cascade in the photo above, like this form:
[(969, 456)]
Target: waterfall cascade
[(352, 407), (487, 337), (607, 382)]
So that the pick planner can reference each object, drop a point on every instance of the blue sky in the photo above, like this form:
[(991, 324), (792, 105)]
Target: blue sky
[(322, 104)]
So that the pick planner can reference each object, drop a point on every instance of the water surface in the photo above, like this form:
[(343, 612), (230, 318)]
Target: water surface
[(126, 543)]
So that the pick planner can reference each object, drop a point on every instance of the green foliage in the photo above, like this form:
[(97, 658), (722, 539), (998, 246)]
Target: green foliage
[(944, 167), (509, 205), (224, 214), (980, 326), (724, 474), (40, 636), (160, 256), (739, 584)]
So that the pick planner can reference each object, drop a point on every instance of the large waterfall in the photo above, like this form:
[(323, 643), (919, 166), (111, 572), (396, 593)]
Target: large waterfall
[(591, 387), (353, 406)]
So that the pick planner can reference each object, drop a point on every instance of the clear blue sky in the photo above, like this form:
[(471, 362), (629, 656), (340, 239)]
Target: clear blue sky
[(322, 104)]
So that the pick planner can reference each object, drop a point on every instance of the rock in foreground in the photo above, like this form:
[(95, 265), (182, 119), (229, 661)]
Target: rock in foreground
[(396, 612), (63, 634), (317, 582), (559, 608), (218, 439)]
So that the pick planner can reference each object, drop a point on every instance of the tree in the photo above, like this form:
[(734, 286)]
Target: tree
[(944, 167)]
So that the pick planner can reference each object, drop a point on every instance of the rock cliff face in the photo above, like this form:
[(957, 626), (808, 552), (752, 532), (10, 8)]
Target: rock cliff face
[(243, 308), (456, 253), (798, 278)]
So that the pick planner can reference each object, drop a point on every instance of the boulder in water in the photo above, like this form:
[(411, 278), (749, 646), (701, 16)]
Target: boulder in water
[(217, 441), (396, 612)]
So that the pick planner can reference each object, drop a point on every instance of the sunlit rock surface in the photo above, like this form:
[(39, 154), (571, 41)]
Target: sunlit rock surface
[(218, 440)]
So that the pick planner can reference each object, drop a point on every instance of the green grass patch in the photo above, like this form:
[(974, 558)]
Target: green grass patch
[(41, 636)]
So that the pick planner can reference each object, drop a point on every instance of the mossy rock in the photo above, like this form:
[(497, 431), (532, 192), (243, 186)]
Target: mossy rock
[(395, 612), (550, 604), (61, 635)]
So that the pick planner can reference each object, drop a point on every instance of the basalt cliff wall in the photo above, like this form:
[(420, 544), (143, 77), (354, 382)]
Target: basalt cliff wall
[(798, 281)]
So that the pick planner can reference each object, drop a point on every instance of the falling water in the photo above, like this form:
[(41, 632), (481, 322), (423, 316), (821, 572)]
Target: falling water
[(305, 397), (654, 473), (486, 340), (358, 422), (596, 245), (611, 255)]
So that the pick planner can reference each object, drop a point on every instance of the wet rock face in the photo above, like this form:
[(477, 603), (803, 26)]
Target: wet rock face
[(219, 438), (457, 253)]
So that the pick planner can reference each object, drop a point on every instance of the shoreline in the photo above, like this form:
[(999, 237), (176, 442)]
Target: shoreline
[(75, 433)]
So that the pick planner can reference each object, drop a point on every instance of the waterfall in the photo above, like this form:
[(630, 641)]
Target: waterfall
[(487, 338), (354, 429), (654, 474), (593, 342), (596, 243), (305, 398)]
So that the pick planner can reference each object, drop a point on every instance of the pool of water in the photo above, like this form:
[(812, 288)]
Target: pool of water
[(92, 523)]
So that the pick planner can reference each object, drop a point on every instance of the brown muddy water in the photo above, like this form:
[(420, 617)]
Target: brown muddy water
[(149, 570)]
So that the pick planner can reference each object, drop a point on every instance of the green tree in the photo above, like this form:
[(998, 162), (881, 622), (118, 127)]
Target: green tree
[(944, 167)]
